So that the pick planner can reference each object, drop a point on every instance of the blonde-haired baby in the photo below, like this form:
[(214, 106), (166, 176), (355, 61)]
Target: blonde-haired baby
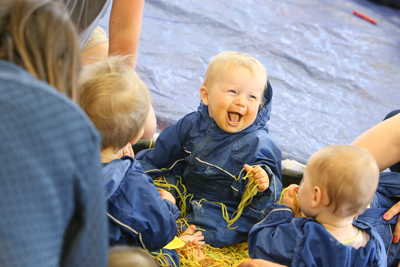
[(338, 184), (117, 101), (213, 148)]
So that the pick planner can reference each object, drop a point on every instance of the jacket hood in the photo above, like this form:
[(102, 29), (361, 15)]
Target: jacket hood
[(263, 116), (114, 172)]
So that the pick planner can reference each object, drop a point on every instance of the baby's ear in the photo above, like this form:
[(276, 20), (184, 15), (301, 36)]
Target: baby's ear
[(204, 95), (317, 197)]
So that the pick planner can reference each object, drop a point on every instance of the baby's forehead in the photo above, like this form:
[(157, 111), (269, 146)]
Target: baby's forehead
[(226, 74), (255, 71)]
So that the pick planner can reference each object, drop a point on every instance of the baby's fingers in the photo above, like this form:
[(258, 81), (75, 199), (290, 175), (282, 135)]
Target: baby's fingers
[(262, 187), (247, 168), (197, 242), (262, 182), (199, 235)]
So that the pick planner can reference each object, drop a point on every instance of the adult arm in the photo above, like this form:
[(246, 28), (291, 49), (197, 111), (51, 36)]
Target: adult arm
[(125, 26), (383, 141)]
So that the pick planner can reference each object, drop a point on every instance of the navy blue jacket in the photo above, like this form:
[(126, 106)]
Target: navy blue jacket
[(138, 215), (388, 187), (291, 241), (211, 164)]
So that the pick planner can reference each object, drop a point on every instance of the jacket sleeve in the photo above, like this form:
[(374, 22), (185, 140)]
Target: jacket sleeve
[(140, 212), (389, 184), (173, 209), (271, 194), (168, 153), (274, 238)]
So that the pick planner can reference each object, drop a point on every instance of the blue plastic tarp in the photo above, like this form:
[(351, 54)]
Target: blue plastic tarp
[(334, 74)]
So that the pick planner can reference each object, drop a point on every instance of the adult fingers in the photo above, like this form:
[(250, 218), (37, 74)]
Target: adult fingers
[(389, 215), (392, 211), (396, 233)]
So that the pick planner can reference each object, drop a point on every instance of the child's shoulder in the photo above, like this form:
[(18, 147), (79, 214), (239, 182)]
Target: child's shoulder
[(125, 171), (194, 121)]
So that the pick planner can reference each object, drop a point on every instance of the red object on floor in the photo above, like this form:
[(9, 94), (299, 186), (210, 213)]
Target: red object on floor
[(361, 15)]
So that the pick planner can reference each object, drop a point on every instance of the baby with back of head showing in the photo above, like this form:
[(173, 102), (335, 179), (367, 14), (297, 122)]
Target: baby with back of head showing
[(117, 101), (338, 184)]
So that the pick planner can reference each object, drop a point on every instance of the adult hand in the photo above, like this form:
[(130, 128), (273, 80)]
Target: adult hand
[(259, 175), (259, 263), (389, 215), (167, 195)]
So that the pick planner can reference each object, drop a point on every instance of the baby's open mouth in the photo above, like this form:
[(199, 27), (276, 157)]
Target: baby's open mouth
[(234, 118)]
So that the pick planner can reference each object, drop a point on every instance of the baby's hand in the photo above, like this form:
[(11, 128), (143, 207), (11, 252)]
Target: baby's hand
[(167, 195), (193, 242), (127, 151), (191, 235), (260, 177), (289, 197)]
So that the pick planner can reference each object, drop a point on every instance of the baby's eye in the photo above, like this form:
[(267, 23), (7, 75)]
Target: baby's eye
[(253, 97), (232, 91)]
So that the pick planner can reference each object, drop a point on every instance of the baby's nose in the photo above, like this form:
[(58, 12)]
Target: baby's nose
[(240, 102)]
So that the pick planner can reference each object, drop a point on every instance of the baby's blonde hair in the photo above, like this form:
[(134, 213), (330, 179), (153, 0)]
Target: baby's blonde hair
[(115, 99), (39, 36), (229, 60), (348, 174)]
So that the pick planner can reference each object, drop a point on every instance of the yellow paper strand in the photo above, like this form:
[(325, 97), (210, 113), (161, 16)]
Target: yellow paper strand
[(247, 197), (183, 196), (161, 259), (230, 256)]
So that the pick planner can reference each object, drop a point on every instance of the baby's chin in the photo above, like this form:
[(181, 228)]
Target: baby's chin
[(230, 129)]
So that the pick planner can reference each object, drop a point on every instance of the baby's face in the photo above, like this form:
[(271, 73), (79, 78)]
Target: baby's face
[(233, 100)]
